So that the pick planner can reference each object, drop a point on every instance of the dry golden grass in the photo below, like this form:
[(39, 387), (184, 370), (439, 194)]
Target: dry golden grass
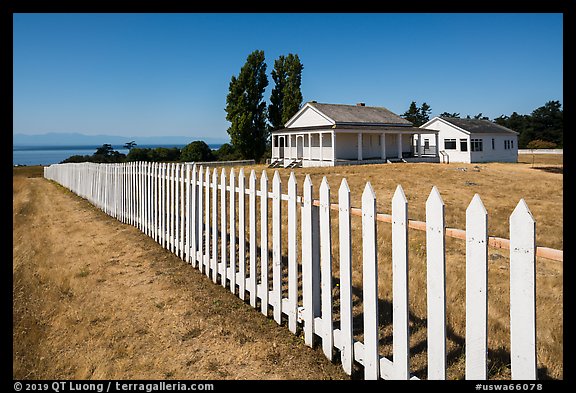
[(500, 186)]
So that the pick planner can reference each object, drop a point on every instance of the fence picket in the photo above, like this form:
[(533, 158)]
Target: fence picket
[(523, 293), (192, 218), (436, 285), (307, 263), (346, 322), (241, 234), (401, 333), (200, 220), (223, 229), (264, 242), (177, 209), (163, 189), (370, 284), (326, 269), (252, 279), (207, 226), (232, 261), (214, 259), (476, 288), (183, 201), (277, 247), (292, 309), (172, 202)]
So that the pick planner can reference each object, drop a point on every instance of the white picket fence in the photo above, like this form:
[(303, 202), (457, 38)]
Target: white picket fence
[(188, 208)]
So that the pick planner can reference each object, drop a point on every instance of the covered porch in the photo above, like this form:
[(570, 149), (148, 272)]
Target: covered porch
[(311, 148)]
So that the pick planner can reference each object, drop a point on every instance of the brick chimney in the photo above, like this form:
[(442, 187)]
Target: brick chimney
[(360, 104)]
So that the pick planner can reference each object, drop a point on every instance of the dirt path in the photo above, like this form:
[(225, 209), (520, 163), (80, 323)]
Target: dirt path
[(98, 299)]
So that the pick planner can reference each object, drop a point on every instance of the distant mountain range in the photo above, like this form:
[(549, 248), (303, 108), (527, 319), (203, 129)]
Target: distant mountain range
[(77, 139)]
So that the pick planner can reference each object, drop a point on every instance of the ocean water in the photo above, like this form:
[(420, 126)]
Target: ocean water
[(47, 155)]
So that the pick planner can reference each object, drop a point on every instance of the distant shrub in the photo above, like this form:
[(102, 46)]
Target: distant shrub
[(226, 152), (540, 144), (197, 151)]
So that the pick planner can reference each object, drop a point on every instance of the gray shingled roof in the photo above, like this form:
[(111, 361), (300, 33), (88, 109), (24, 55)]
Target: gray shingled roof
[(479, 126), (353, 114)]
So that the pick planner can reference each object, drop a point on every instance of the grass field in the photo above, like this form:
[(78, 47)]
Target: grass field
[(537, 179)]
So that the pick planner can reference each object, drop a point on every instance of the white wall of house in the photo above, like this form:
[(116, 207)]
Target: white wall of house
[(496, 147), (462, 151)]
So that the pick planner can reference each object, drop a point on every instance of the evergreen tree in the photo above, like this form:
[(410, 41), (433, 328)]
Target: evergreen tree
[(286, 96), (548, 122), (246, 110), (417, 115), (453, 114)]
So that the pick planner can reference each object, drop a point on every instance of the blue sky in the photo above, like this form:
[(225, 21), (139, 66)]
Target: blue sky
[(168, 74)]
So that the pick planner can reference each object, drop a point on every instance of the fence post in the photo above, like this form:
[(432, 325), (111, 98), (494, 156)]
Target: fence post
[(476, 288), (277, 247), (326, 269), (264, 243), (436, 285), (292, 255), (370, 284), (242, 234), (401, 332), (232, 231), (523, 293)]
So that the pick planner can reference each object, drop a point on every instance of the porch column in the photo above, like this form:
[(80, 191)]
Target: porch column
[(419, 145), (399, 145), (383, 146), (309, 145), (437, 154), (273, 156), (359, 146), (333, 146), (321, 152)]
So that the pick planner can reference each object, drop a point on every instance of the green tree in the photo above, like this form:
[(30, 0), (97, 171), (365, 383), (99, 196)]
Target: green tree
[(164, 154), (417, 115), (197, 151), (139, 154), (226, 152), (106, 153), (453, 114), (548, 122), (286, 96), (246, 110), (129, 145)]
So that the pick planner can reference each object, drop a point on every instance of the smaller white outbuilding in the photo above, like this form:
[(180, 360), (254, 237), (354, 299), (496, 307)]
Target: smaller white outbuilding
[(473, 140)]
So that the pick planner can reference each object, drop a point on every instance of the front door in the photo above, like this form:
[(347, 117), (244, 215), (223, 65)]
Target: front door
[(299, 147)]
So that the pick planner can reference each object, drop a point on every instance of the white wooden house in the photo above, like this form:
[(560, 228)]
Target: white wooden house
[(473, 140), (335, 134)]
